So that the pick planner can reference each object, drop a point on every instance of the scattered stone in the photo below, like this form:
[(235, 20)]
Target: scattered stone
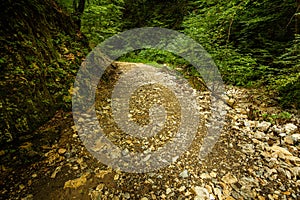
[(21, 186), (62, 151), (261, 197), (57, 169), (182, 188), (288, 140), (290, 128), (28, 197), (265, 159), (296, 171), (263, 126), (100, 187), (205, 176), (116, 177), (218, 192), (280, 151), (231, 102), (168, 191), (213, 174), (288, 174), (259, 135), (102, 173), (174, 159), (127, 195), (188, 193), (288, 193), (251, 124), (201, 193), (184, 174), (270, 197), (270, 172), (229, 198), (75, 183), (2, 153), (276, 129), (34, 175), (146, 158), (248, 148), (229, 178), (282, 134), (296, 137)]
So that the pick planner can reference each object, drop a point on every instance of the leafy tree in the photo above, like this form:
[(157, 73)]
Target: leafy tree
[(252, 42), (101, 19), (141, 13)]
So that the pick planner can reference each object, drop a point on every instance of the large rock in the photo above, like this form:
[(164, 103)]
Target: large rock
[(201, 193), (290, 128), (263, 126)]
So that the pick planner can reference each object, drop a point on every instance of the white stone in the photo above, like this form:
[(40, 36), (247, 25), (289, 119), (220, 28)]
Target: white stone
[(218, 193), (182, 188), (174, 159), (259, 135), (290, 128), (264, 126), (250, 123), (213, 174), (126, 195), (147, 158), (282, 134), (296, 137), (201, 193), (205, 176), (184, 174), (248, 148), (295, 171), (168, 191), (276, 129)]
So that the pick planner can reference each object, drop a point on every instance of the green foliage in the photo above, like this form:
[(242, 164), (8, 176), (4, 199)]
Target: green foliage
[(38, 65), (287, 78), (247, 41), (275, 118), (155, 13), (254, 43), (67, 5), (211, 26), (154, 56), (237, 69), (264, 23), (101, 19)]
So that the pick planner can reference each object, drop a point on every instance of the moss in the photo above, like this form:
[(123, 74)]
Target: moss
[(35, 70)]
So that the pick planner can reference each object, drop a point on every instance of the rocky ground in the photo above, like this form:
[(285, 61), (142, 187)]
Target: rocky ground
[(257, 156)]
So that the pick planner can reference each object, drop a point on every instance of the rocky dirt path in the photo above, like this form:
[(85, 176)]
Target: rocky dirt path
[(252, 159)]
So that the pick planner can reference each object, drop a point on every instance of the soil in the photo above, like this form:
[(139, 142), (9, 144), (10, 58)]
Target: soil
[(53, 163)]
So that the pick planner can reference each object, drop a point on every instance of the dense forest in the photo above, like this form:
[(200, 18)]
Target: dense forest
[(255, 45)]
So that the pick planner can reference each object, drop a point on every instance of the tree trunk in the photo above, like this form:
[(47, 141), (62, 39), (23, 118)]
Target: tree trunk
[(78, 8)]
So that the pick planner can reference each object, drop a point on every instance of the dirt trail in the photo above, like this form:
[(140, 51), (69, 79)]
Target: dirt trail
[(252, 159)]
